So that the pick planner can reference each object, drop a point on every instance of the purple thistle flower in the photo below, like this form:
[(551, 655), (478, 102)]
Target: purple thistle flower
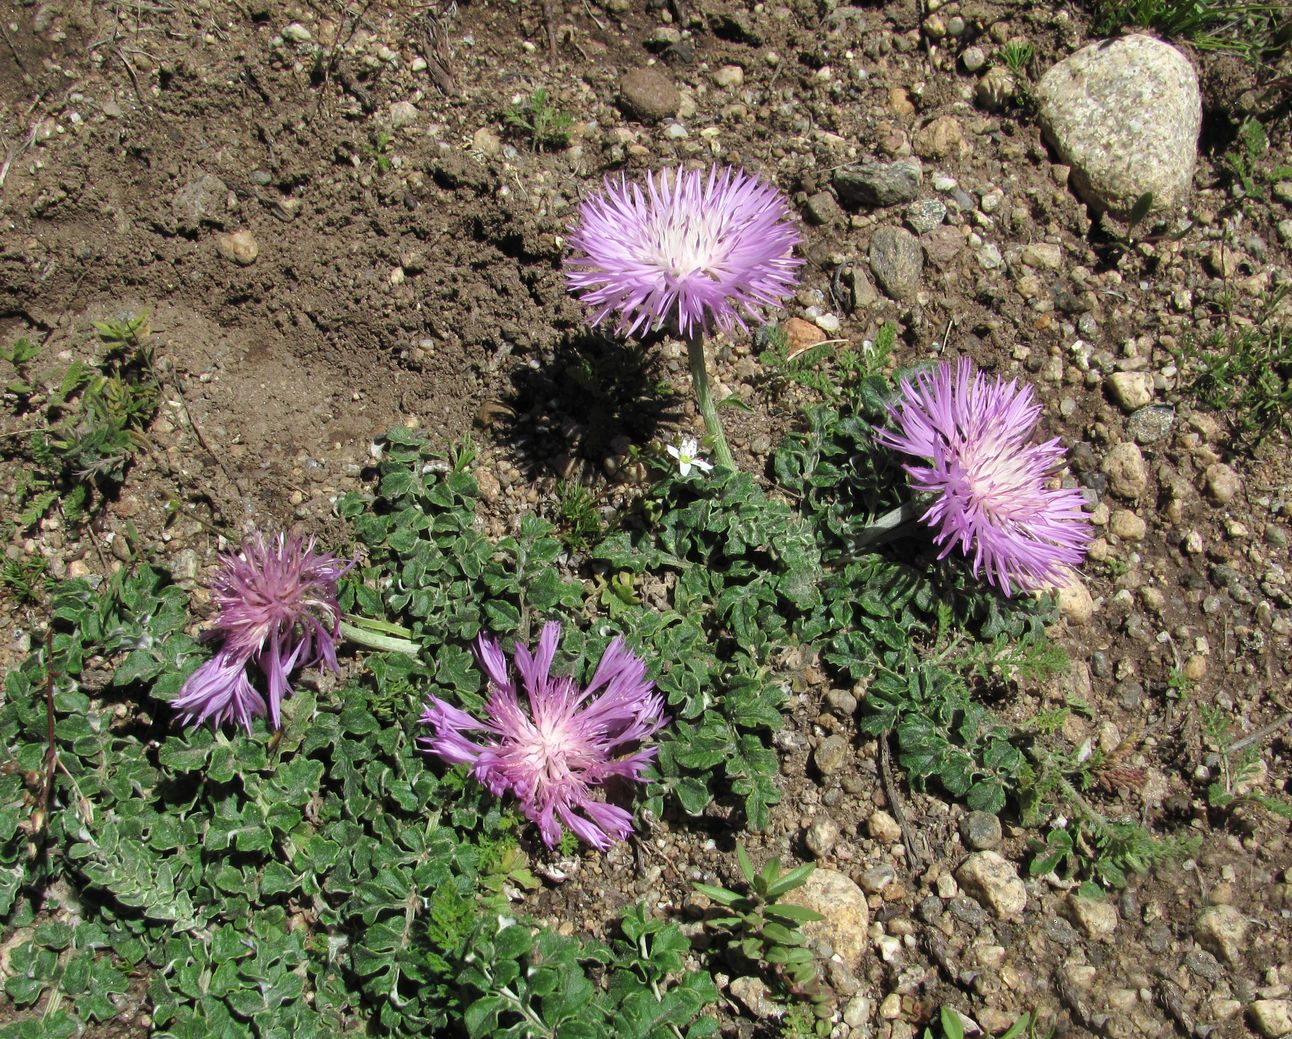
[(690, 249), (277, 606), (988, 480), (551, 751), (219, 692)]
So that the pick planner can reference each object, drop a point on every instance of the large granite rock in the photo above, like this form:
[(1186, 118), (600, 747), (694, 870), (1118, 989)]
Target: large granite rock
[(1125, 115)]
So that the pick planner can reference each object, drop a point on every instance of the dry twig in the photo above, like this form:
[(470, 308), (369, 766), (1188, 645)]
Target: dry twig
[(914, 857)]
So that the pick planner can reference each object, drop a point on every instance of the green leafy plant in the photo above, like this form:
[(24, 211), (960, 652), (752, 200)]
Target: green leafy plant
[(580, 525), (932, 649), (378, 151), (1250, 146), (539, 121), (1246, 374), (822, 368), (1250, 29), (1104, 851), (20, 356), (769, 933), (950, 1025), (1236, 785), (327, 878), (742, 575), (96, 418), (1081, 840), (879, 610)]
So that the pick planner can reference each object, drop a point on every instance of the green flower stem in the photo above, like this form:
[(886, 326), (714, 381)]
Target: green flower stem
[(361, 633), (708, 410), (888, 526)]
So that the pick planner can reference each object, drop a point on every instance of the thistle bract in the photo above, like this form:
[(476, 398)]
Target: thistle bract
[(690, 249), (552, 747), (986, 478)]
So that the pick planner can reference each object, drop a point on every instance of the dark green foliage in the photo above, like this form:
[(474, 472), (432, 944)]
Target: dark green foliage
[(823, 368), (931, 646), (1104, 852), (1245, 159), (743, 574), (880, 609), (950, 1025), (325, 880), (521, 983)]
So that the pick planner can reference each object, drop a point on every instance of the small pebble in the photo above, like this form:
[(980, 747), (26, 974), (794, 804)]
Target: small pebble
[(883, 827), (831, 755), (239, 247), (729, 76), (1222, 482), (821, 836), (973, 59), (980, 831)]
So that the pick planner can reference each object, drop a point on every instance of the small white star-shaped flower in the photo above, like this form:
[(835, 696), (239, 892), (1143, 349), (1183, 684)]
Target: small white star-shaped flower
[(686, 454)]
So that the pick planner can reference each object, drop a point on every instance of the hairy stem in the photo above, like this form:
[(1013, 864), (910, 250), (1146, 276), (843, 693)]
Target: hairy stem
[(709, 411), (375, 640), (888, 526)]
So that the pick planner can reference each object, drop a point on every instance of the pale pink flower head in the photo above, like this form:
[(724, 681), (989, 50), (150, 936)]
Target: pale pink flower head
[(693, 250), (554, 747), (277, 608), (218, 692), (987, 479)]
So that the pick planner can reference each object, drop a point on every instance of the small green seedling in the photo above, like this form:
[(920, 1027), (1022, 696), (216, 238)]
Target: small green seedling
[(766, 932), (1017, 56), (536, 118), (950, 1025), (20, 355), (1246, 374), (825, 368), (580, 525), (379, 151), (95, 422), (1240, 771)]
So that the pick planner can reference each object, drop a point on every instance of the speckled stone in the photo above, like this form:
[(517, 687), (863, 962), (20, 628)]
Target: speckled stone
[(994, 882), (980, 831), (1151, 424), (1125, 115), (1125, 469), (896, 261), (878, 183)]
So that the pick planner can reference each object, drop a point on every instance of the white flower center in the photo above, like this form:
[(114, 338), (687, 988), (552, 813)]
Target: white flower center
[(686, 244), (995, 476)]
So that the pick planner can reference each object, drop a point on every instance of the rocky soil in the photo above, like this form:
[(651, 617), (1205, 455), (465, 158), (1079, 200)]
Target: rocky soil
[(335, 231)]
